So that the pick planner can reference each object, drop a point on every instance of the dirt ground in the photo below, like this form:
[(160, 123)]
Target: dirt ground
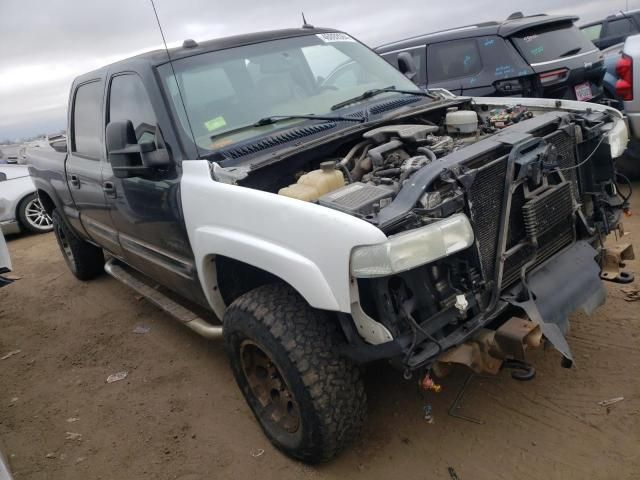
[(179, 415)]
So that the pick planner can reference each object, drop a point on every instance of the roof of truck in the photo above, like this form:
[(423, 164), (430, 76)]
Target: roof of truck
[(159, 57), (504, 29)]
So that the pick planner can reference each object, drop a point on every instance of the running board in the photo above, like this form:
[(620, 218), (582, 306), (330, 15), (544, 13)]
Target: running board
[(185, 316)]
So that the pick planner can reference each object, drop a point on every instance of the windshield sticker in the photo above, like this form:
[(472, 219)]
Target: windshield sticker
[(504, 70), (215, 124), (537, 51), (334, 37), (530, 38)]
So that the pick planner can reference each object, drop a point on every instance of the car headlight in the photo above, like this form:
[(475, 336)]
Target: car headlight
[(411, 249), (618, 137)]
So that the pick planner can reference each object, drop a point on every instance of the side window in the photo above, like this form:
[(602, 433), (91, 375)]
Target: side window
[(454, 59), (620, 28), (87, 131), (592, 32), (128, 100)]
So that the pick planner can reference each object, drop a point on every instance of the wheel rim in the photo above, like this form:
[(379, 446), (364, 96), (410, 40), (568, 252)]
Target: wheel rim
[(269, 388), (36, 215)]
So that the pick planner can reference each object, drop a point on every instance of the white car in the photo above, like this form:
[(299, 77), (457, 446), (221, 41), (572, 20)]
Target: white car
[(20, 208)]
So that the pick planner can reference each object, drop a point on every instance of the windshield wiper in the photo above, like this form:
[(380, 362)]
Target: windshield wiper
[(378, 91), (281, 118)]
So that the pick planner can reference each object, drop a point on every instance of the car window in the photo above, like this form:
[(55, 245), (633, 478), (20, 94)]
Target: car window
[(128, 100), (87, 120), (455, 59), (592, 31), (550, 42), (620, 28)]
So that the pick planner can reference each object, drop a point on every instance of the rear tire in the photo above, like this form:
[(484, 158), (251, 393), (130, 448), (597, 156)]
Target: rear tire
[(85, 261), (32, 216), (309, 401)]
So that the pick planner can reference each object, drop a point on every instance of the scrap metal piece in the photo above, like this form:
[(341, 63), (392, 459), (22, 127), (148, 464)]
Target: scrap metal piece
[(613, 259), (457, 403)]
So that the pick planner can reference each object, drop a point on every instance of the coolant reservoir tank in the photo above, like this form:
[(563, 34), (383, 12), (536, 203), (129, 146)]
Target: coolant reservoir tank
[(461, 121), (316, 183)]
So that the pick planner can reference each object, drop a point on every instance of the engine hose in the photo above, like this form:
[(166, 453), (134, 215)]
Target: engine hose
[(347, 158), (427, 153), (346, 172), (387, 172)]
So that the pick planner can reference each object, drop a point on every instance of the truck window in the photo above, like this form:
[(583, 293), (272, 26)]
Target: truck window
[(551, 42), (459, 58), (620, 28), (87, 132), (128, 100), (592, 31)]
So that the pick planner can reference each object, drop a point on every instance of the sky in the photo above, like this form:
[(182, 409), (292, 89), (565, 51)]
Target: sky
[(44, 44)]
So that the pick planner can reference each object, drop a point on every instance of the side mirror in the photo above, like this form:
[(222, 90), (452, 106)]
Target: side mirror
[(3, 176), (407, 66), (129, 158)]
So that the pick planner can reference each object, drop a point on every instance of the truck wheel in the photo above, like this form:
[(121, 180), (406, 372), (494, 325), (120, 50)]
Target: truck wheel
[(32, 216), (85, 261), (309, 401)]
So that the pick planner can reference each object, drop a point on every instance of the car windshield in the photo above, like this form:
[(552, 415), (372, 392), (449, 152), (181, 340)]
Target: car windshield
[(229, 89)]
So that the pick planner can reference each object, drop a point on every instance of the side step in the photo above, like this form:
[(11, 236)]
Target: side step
[(185, 316)]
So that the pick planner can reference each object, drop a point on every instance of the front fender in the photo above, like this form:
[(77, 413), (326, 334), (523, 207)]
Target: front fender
[(306, 245)]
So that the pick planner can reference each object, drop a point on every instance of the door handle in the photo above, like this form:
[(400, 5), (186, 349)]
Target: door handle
[(109, 189), (74, 180)]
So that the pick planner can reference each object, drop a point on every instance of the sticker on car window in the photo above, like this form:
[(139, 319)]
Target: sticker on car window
[(334, 37), (215, 123)]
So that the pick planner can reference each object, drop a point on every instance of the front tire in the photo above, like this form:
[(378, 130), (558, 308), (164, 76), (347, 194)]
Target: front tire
[(32, 216), (85, 261), (309, 401)]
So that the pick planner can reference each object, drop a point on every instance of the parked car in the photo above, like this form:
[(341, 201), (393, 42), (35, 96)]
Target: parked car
[(333, 223), (533, 56), (628, 90), (5, 267), (20, 208), (612, 30)]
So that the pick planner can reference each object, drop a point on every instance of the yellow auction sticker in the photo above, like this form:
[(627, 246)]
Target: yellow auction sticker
[(215, 123)]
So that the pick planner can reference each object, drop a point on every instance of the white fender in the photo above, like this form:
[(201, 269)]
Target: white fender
[(306, 245)]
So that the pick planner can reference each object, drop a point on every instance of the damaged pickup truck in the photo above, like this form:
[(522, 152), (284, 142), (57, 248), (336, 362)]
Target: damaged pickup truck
[(331, 214)]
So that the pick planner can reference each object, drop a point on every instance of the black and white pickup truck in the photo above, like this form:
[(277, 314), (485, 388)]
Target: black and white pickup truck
[(333, 216)]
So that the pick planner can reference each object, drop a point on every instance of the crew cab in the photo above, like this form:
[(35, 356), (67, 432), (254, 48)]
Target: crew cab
[(331, 219)]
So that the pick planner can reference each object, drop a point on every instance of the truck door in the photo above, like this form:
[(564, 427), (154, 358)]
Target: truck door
[(146, 209), (84, 165)]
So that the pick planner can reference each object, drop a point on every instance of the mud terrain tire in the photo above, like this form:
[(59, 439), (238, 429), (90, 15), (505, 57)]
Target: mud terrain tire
[(85, 261), (322, 393)]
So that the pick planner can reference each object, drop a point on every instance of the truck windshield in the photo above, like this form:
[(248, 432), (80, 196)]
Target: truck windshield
[(228, 89), (551, 42)]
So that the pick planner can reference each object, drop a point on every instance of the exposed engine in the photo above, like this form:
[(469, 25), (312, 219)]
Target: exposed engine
[(374, 170)]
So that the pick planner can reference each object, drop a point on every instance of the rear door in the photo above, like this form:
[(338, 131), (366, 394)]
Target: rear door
[(478, 66), (146, 209), (84, 165), (568, 64)]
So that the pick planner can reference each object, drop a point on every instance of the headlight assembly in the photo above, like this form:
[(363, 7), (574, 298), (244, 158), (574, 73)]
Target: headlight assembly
[(411, 249)]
